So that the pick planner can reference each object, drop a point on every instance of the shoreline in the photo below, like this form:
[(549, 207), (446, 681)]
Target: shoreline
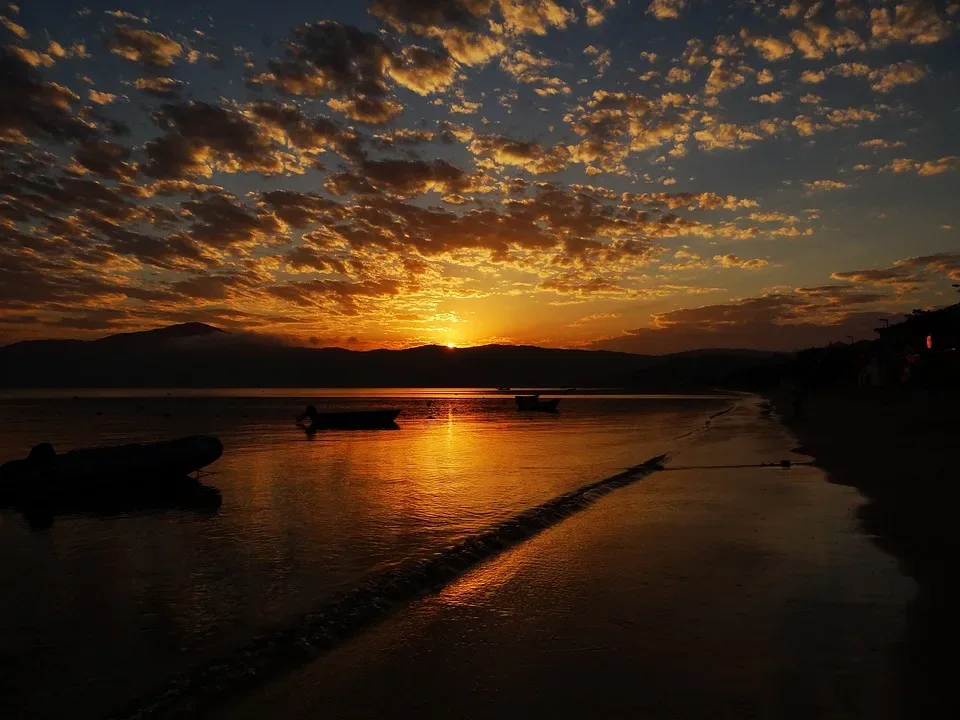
[(894, 445)]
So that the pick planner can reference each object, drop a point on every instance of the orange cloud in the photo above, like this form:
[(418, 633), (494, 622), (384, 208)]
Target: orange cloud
[(146, 46)]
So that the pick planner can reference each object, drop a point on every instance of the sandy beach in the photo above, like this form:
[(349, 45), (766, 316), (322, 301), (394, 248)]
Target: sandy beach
[(699, 591)]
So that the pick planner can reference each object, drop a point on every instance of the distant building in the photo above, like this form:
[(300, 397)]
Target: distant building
[(933, 330), (921, 348)]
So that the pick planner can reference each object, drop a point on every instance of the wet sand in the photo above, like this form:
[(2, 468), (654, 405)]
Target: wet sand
[(741, 592), (897, 446)]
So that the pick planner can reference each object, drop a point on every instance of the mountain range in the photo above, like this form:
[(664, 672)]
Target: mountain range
[(200, 355)]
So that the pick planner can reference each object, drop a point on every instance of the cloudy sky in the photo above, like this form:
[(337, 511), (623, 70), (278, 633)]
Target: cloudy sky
[(647, 176)]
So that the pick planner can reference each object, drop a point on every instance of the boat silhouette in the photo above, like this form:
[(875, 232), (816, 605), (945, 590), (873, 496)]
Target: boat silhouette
[(312, 421), (533, 402), (107, 480)]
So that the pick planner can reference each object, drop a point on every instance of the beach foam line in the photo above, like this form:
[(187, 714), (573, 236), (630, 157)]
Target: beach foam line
[(311, 635)]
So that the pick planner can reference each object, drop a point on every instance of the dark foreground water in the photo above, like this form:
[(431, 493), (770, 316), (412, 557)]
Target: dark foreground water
[(96, 611)]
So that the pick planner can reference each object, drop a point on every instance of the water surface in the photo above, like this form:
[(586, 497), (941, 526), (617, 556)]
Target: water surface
[(98, 610)]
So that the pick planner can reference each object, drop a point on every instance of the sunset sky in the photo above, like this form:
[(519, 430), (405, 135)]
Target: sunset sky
[(634, 175)]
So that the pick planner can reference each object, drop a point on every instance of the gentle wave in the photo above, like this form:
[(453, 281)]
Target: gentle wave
[(318, 632), (311, 635)]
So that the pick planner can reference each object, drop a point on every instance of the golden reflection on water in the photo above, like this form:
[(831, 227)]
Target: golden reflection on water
[(302, 519), (437, 466)]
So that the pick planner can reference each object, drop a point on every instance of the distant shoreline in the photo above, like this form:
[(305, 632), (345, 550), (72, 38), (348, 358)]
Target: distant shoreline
[(344, 392), (204, 357)]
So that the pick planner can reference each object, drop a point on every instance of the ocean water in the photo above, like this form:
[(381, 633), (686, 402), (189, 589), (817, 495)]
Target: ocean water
[(98, 610)]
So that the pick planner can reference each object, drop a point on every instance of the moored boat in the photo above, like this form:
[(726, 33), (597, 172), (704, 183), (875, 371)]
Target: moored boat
[(349, 419), (533, 402), (126, 470)]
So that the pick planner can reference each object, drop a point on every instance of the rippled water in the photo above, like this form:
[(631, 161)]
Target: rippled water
[(95, 611)]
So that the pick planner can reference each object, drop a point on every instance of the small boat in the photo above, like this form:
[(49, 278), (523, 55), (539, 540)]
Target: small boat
[(349, 420), (533, 402), (107, 473), (503, 388)]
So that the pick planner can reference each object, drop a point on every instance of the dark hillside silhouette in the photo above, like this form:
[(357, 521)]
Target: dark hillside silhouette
[(198, 355)]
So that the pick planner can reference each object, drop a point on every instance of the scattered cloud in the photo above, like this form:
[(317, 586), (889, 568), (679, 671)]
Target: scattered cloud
[(881, 144), (18, 30), (151, 48), (768, 98), (770, 48), (903, 73), (330, 57), (825, 185), (813, 76), (595, 13), (158, 86), (423, 71), (666, 9), (773, 216), (370, 110), (928, 167), (912, 21), (100, 98), (594, 318), (723, 76), (732, 261), (530, 156), (776, 321)]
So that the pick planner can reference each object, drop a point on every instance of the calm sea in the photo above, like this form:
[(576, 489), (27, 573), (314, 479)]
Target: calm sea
[(98, 610)]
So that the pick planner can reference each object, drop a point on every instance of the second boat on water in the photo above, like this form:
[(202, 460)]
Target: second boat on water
[(348, 419), (533, 402)]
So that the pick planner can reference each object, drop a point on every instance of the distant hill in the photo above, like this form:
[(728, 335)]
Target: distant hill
[(171, 333), (199, 355)]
